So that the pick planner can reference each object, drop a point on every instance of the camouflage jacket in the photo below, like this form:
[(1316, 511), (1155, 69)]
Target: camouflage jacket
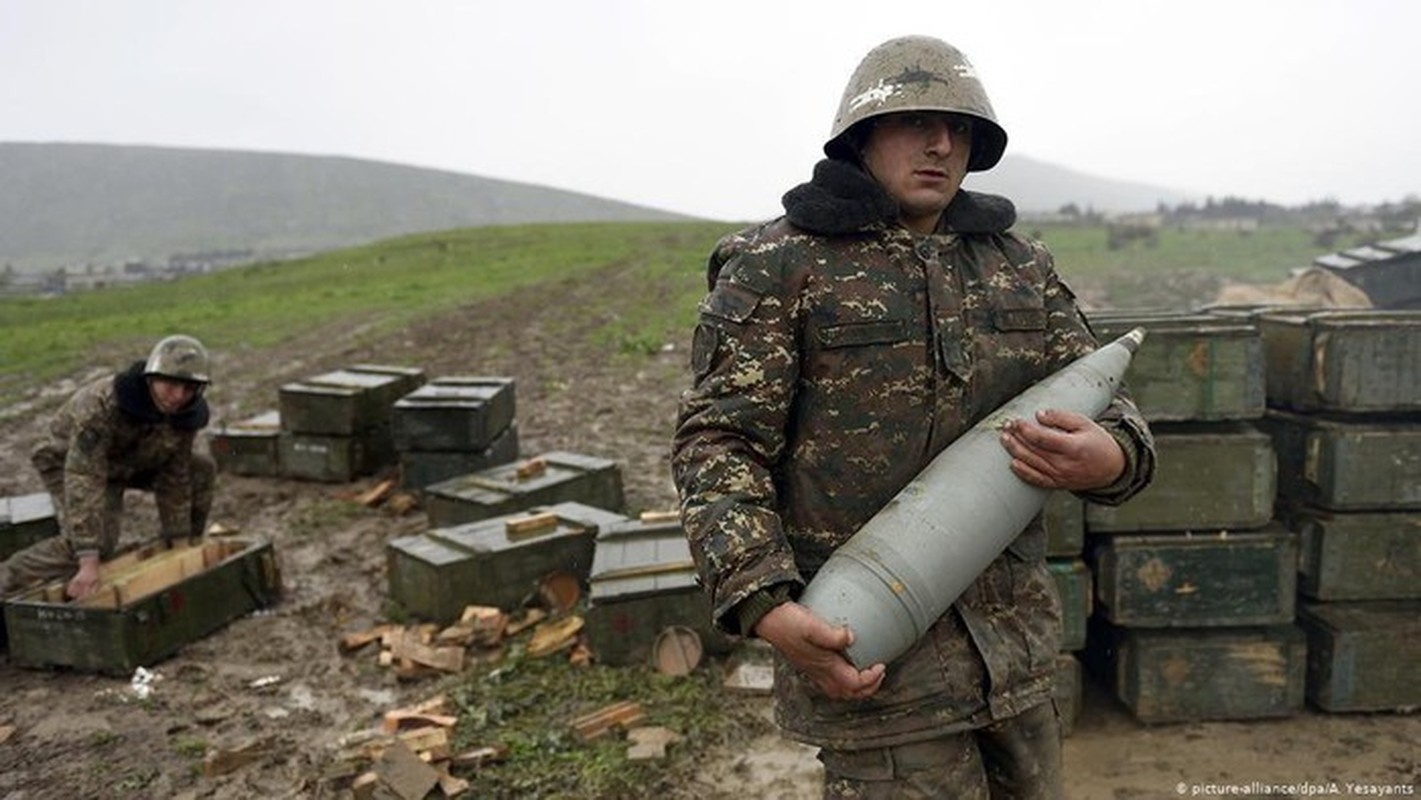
[(110, 432), (835, 355)]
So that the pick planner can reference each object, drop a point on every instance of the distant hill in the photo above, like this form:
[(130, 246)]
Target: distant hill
[(1040, 187), (88, 203), (63, 204)]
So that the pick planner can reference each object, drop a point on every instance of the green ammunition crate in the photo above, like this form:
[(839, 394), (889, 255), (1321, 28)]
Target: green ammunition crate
[(1073, 585), (1358, 555), (24, 520), (1185, 675), (1370, 463), (152, 602), (1216, 476), (643, 580), (419, 469), (1349, 361), (463, 414), (1178, 580), (346, 402), (1192, 367), (550, 478), (1069, 687), (1064, 519), (334, 459), (436, 574), (249, 447), (1363, 656)]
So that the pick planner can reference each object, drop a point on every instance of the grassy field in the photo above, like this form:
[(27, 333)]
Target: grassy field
[(391, 282)]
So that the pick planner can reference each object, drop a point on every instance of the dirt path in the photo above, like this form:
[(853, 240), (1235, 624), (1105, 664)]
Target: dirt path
[(276, 679)]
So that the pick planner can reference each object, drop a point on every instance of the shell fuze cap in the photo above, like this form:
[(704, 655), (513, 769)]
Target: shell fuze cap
[(918, 73), (178, 357)]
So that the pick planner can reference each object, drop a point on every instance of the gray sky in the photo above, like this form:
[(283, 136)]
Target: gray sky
[(716, 108)]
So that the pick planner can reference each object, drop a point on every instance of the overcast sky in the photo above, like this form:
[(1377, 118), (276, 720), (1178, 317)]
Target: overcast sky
[(716, 108)]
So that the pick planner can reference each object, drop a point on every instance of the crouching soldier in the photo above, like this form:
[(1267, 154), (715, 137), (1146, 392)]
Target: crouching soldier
[(133, 430)]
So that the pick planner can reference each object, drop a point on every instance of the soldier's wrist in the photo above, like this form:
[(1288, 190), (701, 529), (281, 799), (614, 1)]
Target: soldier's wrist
[(754, 608)]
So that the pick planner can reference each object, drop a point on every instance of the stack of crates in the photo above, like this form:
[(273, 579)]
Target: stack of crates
[(454, 426), (337, 426), (1064, 519), (1344, 395), (1195, 580)]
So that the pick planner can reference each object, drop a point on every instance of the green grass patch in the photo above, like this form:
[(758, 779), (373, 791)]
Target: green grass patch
[(527, 704)]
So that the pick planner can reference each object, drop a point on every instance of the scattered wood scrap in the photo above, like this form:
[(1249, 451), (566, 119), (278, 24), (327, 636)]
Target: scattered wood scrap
[(408, 755), (650, 742), (376, 494), (603, 720), (555, 635)]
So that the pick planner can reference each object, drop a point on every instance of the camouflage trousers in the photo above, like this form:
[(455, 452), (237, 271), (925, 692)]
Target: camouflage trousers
[(1018, 758), (53, 558)]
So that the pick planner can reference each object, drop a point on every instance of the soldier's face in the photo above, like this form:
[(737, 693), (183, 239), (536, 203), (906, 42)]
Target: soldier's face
[(172, 396), (920, 159)]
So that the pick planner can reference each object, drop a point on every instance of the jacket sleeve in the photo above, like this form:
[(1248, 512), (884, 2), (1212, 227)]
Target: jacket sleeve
[(1071, 338), (731, 432), (86, 470)]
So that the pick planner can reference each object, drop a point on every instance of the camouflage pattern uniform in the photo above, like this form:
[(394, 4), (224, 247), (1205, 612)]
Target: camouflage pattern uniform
[(836, 354), (106, 438)]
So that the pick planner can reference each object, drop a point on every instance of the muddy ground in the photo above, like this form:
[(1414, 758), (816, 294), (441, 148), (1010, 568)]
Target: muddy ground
[(82, 736)]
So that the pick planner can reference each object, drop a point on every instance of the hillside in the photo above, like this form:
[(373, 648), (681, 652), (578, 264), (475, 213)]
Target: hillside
[(88, 203), (69, 204), (593, 324)]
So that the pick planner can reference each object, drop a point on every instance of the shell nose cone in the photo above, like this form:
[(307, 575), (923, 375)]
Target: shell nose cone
[(1131, 341)]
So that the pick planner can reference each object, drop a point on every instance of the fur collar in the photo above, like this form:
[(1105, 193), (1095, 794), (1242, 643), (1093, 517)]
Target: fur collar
[(841, 199), (131, 390)]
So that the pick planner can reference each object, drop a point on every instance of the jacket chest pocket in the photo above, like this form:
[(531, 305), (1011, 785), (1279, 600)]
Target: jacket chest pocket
[(861, 334)]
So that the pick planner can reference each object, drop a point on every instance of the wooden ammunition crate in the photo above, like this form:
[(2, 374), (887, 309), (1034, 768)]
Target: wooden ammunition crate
[(1191, 674), (1068, 691), (420, 468), (24, 520), (346, 402), (465, 414), (1358, 555), (549, 478), (249, 447), (1175, 580), (1339, 463), (1363, 656), (1213, 476), (334, 459), (1192, 367), (494, 562), (643, 580), (1073, 585), (153, 600), (1350, 361), (1064, 519)]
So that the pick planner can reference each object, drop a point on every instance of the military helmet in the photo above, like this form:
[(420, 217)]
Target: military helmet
[(917, 73), (178, 357)]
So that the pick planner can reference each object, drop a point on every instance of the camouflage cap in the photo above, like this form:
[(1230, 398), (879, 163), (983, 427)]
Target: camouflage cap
[(179, 357), (918, 73)]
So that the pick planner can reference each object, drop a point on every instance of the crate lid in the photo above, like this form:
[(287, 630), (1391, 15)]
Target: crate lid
[(637, 565), (26, 508)]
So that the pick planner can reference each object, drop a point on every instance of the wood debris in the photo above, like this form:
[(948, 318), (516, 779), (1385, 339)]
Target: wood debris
[(650, 742), (376, 494), (408, 755), (531, 468), (603, 720), (402, 503), (554, 635)]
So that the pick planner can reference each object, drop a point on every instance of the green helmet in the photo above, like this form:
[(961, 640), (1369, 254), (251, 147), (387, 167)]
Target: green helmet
[(179, 357), (917, 73)]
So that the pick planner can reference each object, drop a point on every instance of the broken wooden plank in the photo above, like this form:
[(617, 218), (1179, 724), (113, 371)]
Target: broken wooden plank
[(400, 720), (376, 494), (479, 756), (402, 772), (599, 722), (355, 640), (650, 742), (447, 659), (554, 635)]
